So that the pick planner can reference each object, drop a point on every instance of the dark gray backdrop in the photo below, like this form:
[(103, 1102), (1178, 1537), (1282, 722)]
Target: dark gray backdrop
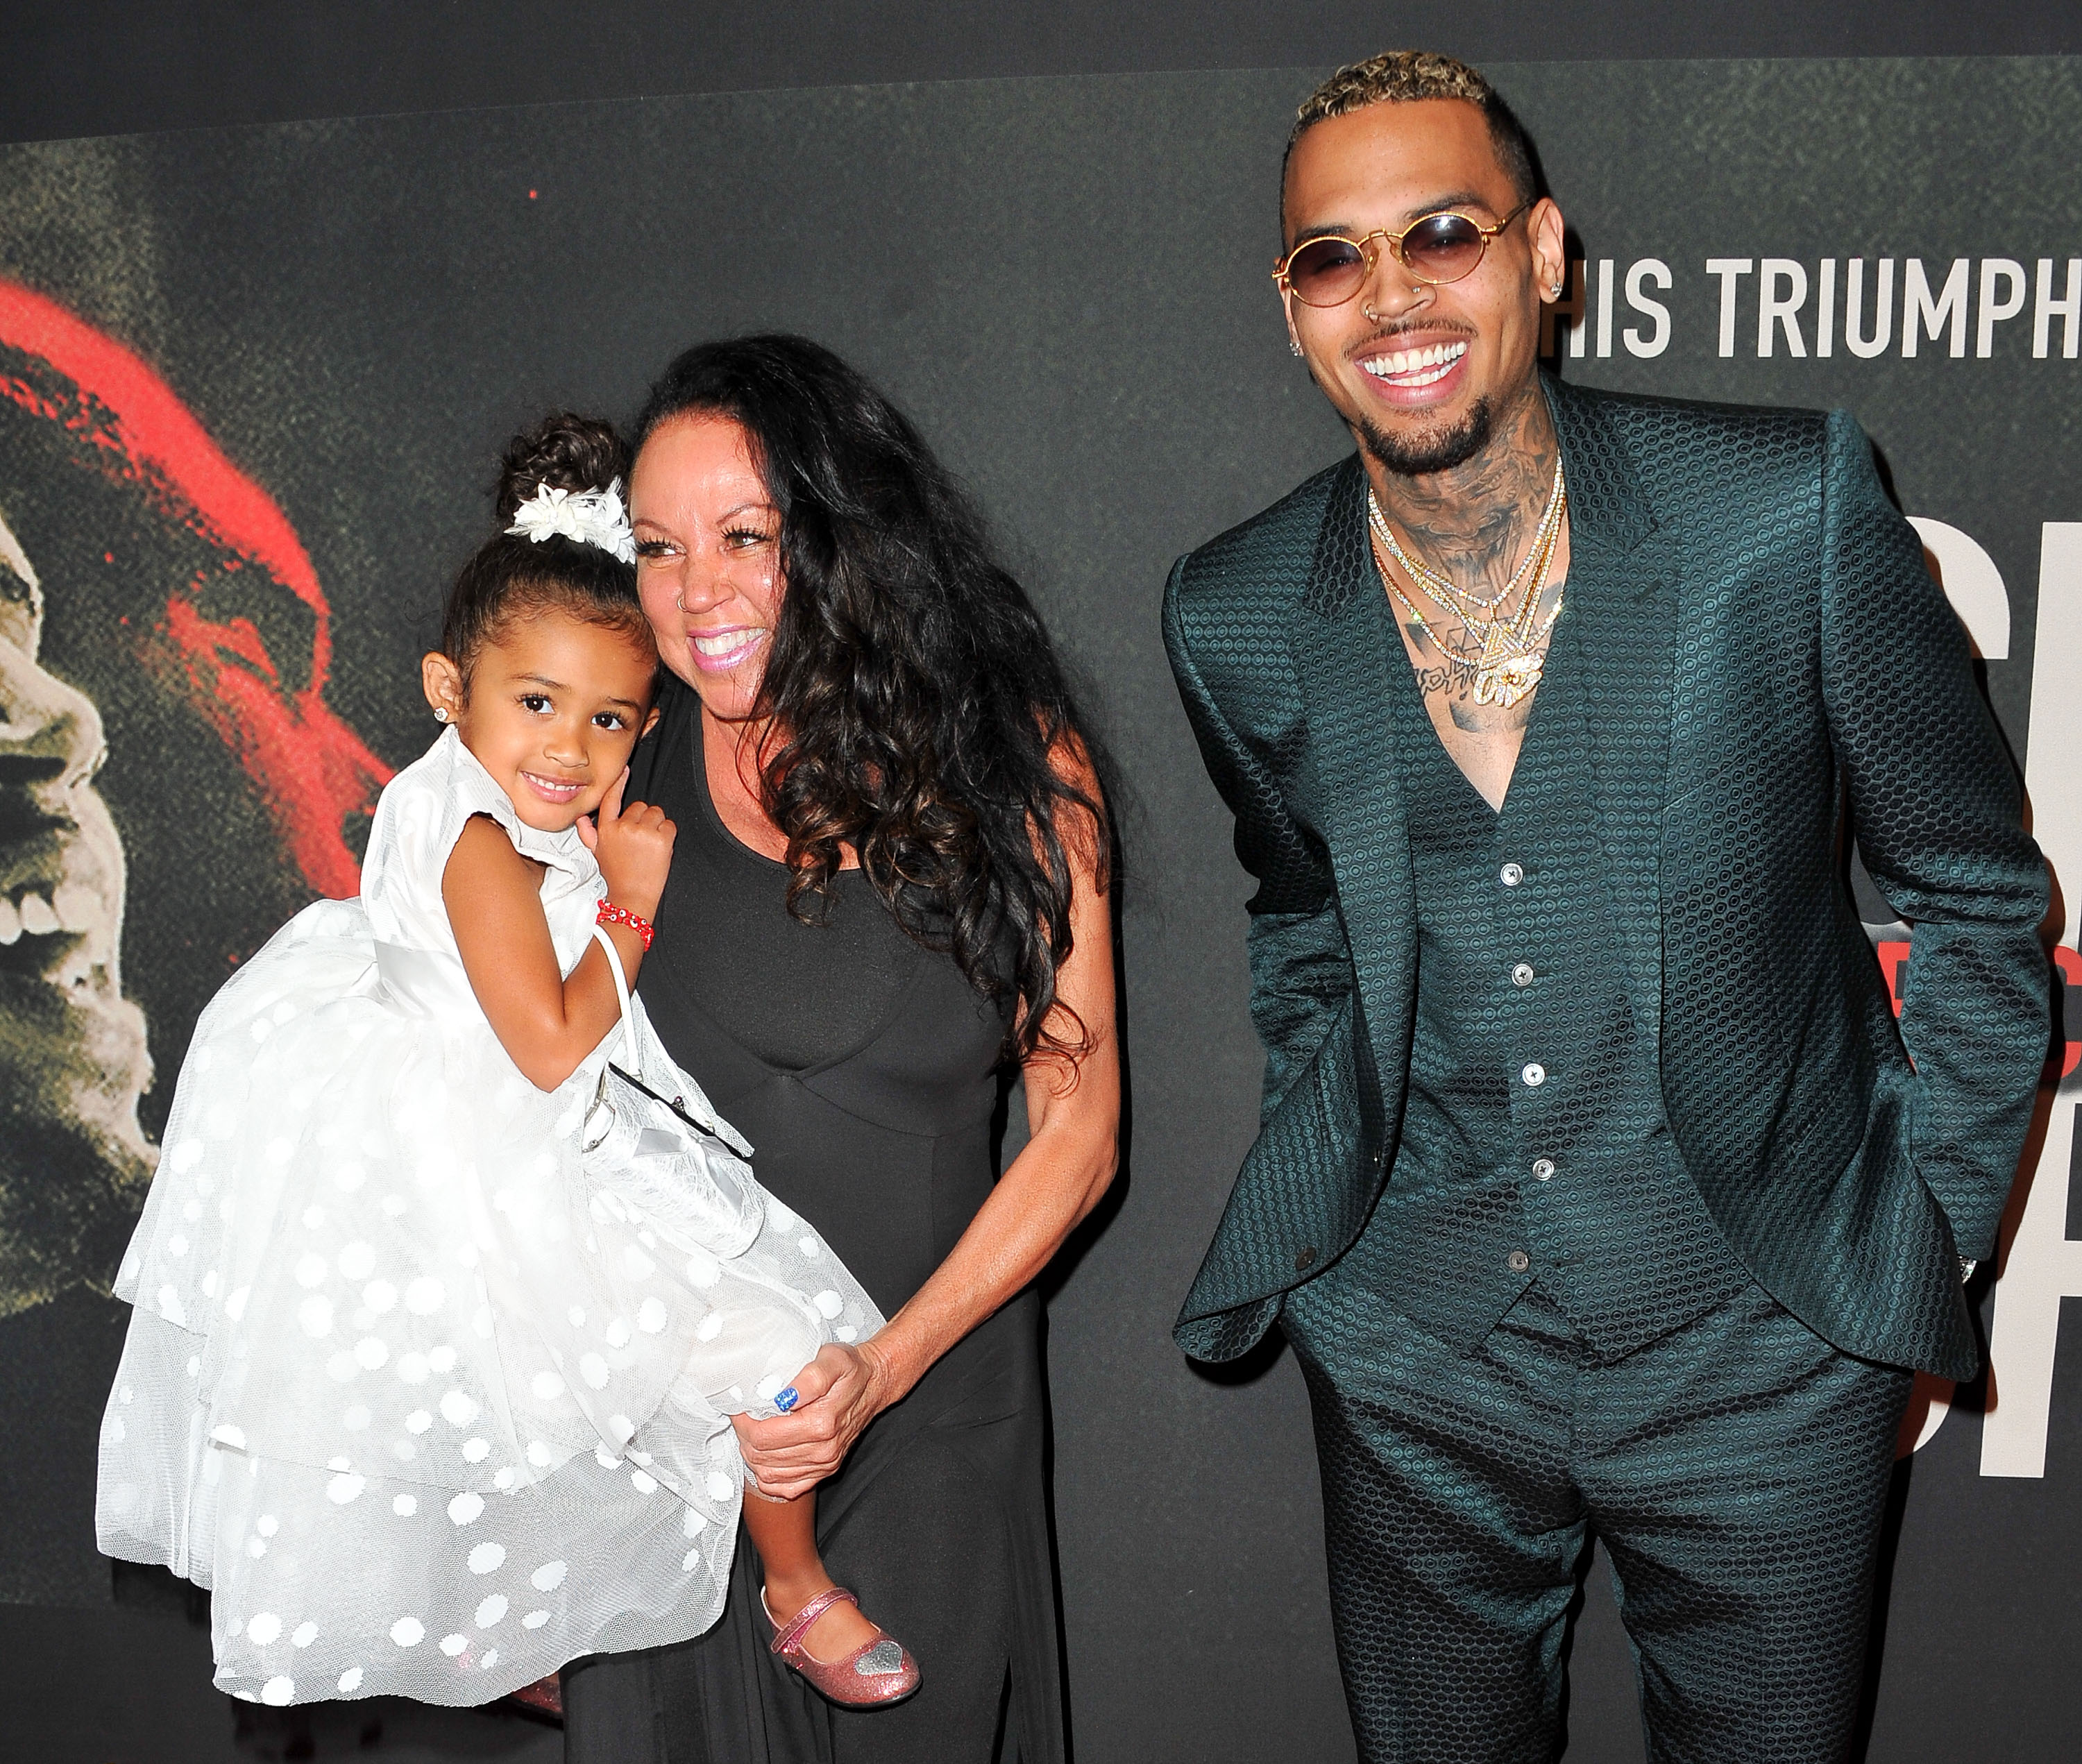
[(1064, 281)]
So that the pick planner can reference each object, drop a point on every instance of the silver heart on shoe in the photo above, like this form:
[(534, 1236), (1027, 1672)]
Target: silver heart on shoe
[(885, 1657)]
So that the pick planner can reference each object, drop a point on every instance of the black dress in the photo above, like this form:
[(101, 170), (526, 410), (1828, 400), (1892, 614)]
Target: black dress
[(861, 1068)]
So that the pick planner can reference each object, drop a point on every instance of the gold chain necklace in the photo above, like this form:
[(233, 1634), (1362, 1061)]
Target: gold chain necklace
[(1450, 594), (1511, 662)]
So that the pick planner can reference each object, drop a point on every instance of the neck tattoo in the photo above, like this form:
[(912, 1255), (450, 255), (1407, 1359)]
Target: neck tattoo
[(1504, 652)]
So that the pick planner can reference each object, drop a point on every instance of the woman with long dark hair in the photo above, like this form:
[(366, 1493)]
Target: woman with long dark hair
[(889, 890)]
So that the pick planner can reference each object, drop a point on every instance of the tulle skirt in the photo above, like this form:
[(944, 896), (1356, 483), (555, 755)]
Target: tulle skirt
[(430, 1407)]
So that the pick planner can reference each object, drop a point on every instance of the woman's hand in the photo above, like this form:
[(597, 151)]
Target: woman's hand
[(837, 1394), (635, 847)]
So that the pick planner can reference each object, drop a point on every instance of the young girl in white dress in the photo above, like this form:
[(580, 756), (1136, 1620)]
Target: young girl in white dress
[(438, 1325)]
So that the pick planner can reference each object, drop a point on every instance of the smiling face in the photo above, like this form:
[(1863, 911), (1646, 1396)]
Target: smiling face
[(554, 707), (73, 1061), (708, 558), (1423, 373)]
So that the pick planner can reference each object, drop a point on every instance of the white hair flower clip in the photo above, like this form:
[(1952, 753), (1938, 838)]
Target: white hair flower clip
[(593, 517)]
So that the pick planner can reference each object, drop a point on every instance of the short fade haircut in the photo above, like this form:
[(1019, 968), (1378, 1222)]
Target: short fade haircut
[(1404, 76)]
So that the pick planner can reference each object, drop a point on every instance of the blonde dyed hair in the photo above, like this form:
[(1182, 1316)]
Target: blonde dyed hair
[(1405, 76)]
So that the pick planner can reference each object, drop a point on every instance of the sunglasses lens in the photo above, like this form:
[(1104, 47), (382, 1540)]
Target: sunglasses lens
[(1326, 272), (1443, 248)]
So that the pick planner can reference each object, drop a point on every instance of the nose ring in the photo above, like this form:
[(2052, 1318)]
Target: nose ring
[(679, 602)]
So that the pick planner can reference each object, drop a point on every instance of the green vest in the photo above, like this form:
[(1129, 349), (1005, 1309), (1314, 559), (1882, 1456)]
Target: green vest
[(1533, 1144)]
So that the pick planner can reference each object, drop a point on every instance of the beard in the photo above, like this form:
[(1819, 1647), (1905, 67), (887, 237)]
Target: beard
[(1440, 450)]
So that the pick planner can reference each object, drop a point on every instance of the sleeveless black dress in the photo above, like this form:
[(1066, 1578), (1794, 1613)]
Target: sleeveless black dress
[(861, 1068)]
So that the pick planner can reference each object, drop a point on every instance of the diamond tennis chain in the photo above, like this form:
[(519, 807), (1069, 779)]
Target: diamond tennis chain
[(1511, 661), (1450, 594)]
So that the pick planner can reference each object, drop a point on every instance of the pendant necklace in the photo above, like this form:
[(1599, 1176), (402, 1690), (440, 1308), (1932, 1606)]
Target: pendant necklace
[(1511, 661)]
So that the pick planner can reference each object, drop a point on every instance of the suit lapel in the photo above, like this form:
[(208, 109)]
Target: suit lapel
[(1621, 602), (1344, 645), (1621, 597)]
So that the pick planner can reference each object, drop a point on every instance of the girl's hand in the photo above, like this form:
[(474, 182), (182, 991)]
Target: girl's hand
[(635, 847), (837, 1394)]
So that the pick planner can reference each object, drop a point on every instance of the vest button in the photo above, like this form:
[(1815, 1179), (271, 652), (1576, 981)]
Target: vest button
[(1543, 1168), (1518, 1261), (1510, 875), (1522, 975), (1534, 1074), (1304, 1259)]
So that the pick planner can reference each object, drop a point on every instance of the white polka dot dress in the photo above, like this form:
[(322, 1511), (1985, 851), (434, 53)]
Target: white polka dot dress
[(428, 1408)]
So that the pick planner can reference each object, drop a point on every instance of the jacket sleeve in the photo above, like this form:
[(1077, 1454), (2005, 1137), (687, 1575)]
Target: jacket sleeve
[(1300, 966), (1935, 807), (1321, 1092)]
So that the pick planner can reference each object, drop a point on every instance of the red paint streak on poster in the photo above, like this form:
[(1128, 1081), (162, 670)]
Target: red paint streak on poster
[(313, 771)]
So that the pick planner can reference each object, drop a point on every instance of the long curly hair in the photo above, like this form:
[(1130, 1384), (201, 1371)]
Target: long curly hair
[(913, 706)]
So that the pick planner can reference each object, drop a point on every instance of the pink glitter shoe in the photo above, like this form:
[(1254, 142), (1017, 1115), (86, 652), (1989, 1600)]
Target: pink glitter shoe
[(881, 1672)]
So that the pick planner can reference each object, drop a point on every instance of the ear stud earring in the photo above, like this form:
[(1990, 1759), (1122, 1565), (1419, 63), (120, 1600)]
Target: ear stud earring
[(1294, 343), (441, 713)]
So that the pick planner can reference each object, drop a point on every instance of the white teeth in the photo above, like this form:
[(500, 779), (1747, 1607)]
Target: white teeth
[(1440, 356), (720, 646), (78, 907), (36, 916)]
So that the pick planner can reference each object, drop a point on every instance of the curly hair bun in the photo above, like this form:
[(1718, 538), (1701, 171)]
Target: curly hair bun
[(511, 574), (562, 452)]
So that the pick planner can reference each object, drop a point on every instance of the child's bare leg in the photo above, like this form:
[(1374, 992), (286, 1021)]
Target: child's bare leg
[(785, 1535)]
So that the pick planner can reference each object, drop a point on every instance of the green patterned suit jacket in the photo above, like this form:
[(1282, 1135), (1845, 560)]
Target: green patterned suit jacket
[(1767, 655)]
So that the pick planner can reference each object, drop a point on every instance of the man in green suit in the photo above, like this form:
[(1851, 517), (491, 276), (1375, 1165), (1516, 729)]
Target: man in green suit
[(1595, 1186)]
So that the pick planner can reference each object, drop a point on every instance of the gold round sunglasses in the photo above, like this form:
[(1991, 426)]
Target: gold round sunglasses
[(1328, 269)]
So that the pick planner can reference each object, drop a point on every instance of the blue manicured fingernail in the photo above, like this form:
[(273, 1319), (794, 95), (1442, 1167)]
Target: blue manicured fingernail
[(786, 1400)]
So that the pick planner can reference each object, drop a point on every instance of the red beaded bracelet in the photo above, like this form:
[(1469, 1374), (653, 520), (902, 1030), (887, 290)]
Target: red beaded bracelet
[(609, 914)]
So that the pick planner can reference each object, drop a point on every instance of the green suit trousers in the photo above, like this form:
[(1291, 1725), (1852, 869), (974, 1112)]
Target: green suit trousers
[(1737, 1469)]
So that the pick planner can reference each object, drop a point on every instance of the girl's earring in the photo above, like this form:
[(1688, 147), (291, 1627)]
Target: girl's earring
[(441, 713)]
